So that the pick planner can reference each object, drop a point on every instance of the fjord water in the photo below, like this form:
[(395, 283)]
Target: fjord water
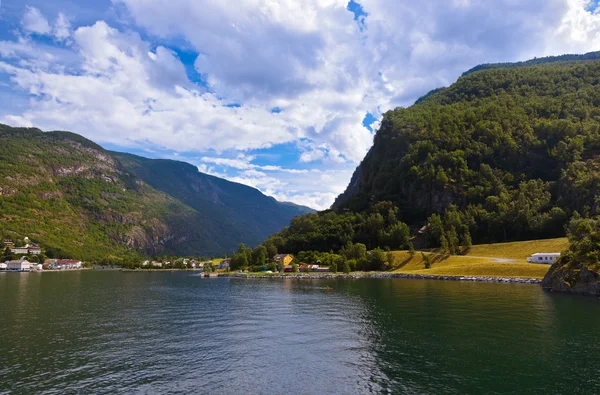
[(113, 332)]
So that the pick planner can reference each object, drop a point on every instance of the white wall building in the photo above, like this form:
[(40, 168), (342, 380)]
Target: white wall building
[(544, 257), (22, 265)]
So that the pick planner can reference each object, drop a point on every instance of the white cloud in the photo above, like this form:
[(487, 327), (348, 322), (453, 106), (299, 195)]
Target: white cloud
[(34, 22), (62, 27)]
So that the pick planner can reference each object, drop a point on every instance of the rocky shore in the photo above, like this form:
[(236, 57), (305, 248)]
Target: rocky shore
[(331, 276)]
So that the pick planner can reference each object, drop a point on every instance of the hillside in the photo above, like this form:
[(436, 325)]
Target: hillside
[(493, 260), (508, 151), (233, 212), (79, 200)]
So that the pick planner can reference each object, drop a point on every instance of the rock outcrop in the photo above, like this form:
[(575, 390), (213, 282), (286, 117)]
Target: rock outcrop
[(573, 279)]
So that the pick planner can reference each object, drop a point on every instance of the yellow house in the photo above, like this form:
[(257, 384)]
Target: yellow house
[(285, 258)]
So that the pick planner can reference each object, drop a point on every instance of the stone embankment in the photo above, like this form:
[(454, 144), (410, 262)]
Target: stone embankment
[(332, 276)]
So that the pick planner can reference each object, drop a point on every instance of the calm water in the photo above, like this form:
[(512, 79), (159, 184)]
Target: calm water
[(108, 332)]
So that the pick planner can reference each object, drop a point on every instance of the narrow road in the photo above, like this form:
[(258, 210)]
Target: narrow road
[(503, 260)]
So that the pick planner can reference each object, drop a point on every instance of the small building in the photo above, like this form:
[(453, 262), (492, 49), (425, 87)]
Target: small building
[(224, 264), (287, 268), (22, 265), (68, 264), (156, 264), (286, 259), (544, 257), (20, 250), (145, 263), (3, 266), (207, 266), (32, 249), (8, 243)]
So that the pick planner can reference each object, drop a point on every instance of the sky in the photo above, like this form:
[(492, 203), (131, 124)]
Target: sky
[(284, 96)]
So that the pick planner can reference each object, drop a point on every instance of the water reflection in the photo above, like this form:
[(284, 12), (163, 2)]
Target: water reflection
[(171, 332)]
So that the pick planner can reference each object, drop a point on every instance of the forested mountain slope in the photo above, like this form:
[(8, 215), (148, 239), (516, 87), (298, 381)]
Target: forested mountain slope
[(509, 152), (79, 200)]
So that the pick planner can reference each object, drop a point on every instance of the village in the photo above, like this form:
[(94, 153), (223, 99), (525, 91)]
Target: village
[(29, 257)]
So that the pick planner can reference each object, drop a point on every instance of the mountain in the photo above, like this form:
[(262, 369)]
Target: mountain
[(510, 151), (79, 200)]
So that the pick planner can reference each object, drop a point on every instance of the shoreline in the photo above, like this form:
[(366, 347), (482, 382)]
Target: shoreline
[(487, 279)]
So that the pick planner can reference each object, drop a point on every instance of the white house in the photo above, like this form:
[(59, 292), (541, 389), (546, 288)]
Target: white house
[(224, 264), (3, 266), (544, 257), (22, 265)]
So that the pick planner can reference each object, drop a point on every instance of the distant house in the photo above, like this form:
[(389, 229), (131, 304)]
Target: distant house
[(544, 257), (8, 243), (287, 268), (286, 259), (3, 266), (224, 264), (32, 249), (20, 250), (22, 265), (68, 264), (145, 263), (156, 264)]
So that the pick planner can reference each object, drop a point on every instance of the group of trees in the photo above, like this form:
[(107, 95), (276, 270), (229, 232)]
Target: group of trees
[(584, 243), (331, 231), (252, 259)]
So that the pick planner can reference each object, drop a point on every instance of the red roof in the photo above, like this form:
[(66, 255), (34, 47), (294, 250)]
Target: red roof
[(67, 261)]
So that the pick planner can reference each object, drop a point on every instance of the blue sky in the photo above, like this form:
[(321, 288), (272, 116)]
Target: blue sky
[(283, 96)]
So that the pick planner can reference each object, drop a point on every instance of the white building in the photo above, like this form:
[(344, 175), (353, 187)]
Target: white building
[(21, 265), (544, 257), (3, 266)]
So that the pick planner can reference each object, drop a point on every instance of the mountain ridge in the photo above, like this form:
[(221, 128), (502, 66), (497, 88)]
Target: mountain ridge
[(80, 200)]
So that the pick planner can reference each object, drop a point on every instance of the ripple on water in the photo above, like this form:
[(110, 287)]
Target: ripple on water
[(175, 333)]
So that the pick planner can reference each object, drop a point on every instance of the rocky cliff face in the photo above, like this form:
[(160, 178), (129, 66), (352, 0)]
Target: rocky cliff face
[(573, 279)]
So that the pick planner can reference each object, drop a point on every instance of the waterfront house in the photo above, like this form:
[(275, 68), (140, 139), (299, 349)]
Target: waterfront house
[(22, 265), (286, 259), (3, 266), (8, 243), (544, 257), (156, 264), (145, 263), (224, 264), (68, 264)]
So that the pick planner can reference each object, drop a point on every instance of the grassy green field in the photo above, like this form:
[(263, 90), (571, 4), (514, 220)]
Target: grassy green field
[(499, 260)]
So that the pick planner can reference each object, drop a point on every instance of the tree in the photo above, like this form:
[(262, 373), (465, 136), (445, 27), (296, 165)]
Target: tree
[(435, 230), (444, 244), (295, 267), (426, 260), (333, 267), (376, 259), (466, 241), (259, 256), (453, 243), (271, 250), (390, 258), (346, 267)]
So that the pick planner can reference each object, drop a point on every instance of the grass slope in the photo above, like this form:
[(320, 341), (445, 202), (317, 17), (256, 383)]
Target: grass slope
[(494, 260)]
